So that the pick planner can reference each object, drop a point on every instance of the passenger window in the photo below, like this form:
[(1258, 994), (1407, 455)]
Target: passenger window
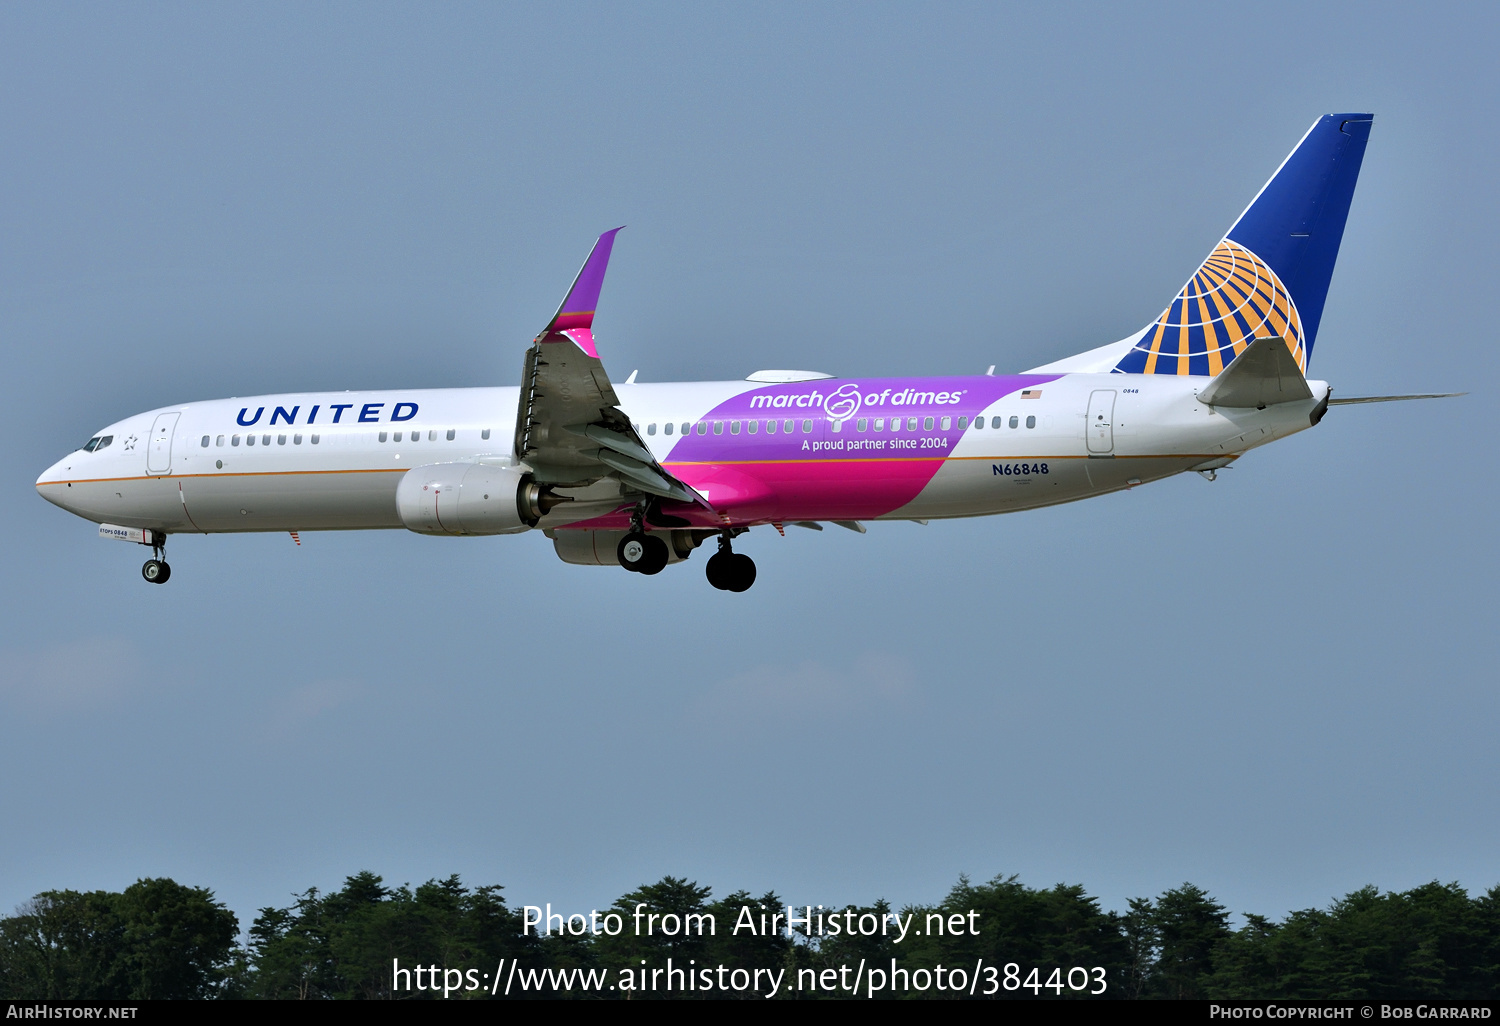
[(703, 427), (788, 426), (451, 433), (382, 436), (485, 434), (861, 423), (219, 441), (978, 423), (296, 439), (927, 424), (398, 435), (879, 423), (265, 439), (770, 427), (1014, 422), (718, 427), (650, 429), (836, 426), (667, 427), (807, 427), (1031, 422), (947, 423), (963, 422), (315, 439), (432, 436), (235, 440), (205, 441), (752, 426), (249, 439), (911, 423), (281, 439), (734, 427)]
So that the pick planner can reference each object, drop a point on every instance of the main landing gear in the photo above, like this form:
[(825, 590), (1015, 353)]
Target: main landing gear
[(642, 553), (639, 552), (729, 570), (156, 569)]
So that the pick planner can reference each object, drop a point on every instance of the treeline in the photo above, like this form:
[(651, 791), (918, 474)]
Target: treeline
[(159, 939)]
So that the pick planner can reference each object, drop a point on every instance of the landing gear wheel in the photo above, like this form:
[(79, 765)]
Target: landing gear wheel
[(156, 571), (632, 551), (656, 555), (642, 554), (743, 571), (720, 570), (728, 570)]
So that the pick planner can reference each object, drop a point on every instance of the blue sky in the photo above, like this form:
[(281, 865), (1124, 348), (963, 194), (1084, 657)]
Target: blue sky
[(1279, 686)]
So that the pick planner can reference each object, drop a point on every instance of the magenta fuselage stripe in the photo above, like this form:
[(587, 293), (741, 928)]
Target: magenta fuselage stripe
[(822, 474)]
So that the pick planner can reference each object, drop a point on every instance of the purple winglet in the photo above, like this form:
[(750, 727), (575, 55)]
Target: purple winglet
[(577, 310)]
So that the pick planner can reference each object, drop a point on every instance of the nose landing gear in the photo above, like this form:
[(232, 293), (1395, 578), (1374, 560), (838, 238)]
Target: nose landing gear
[(729, 570), (156, 569)]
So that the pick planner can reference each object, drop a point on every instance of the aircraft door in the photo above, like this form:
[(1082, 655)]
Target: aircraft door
[(1101, 430), (159, 449)]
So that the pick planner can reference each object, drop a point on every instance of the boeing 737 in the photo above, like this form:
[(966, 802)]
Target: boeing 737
[(641, 475)]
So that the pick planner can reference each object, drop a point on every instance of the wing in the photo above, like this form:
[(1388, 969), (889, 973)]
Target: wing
[(570, 429)]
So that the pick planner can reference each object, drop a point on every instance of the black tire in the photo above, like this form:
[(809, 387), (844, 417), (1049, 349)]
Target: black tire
[(166, 573), (155, 571), (743, 572), (656, 555), (720, 570), (633, 551)]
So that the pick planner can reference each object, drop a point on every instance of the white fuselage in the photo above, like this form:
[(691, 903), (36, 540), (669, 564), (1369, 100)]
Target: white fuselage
[(332, 461)]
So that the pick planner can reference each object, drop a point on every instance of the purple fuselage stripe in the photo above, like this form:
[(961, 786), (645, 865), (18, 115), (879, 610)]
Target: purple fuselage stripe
[(847, 401), (807, 470)]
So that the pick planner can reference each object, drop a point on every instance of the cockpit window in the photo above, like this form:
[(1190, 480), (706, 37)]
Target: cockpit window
[(97, 442)]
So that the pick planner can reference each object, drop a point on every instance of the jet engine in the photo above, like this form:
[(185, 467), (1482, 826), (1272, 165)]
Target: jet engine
[(471, 498)]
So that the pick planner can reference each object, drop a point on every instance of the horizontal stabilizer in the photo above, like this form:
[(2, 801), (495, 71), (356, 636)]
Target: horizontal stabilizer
[(1264, 374), (1392, 398)]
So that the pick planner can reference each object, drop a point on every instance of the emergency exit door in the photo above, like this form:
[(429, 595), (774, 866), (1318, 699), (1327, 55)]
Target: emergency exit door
[(1101, 429)]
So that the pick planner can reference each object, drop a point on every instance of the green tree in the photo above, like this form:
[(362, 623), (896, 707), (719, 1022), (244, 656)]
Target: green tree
[(1059, 927), (347, 943), (157, 939), (1190, 925), (680, 931)]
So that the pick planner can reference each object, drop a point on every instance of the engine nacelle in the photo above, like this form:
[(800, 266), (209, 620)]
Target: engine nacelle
[(601, 548), (468, 498)]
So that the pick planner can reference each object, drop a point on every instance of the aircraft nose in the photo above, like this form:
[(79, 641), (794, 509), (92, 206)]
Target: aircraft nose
[(52, 485)]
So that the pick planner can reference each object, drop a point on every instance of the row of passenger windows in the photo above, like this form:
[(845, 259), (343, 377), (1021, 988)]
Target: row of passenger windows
[(788, 427), (416, 436), (750, 427)]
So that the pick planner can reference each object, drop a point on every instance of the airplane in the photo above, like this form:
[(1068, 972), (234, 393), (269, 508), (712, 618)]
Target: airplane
[(640, 475)]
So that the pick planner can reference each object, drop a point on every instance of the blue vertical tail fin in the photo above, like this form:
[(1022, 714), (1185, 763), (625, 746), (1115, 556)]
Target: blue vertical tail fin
[(1269, 275)]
